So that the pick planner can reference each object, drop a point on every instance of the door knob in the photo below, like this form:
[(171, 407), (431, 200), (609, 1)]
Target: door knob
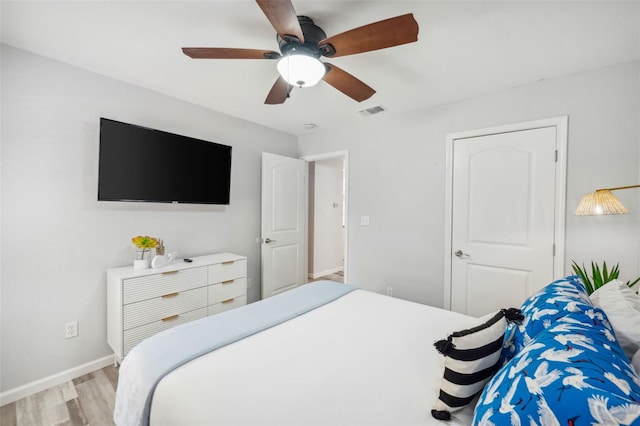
[(460, 254), (269, 240)]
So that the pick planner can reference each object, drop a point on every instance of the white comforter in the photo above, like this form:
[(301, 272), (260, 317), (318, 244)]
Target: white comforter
[(364, 359)]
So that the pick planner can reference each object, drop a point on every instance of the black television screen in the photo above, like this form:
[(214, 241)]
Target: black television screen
[(141, 164)]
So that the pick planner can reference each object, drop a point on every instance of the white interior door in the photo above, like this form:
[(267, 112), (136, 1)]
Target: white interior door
[(284, 226), (504, 218)]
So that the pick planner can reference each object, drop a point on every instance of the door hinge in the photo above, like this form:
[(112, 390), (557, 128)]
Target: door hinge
[(553, 250), (556, 160)]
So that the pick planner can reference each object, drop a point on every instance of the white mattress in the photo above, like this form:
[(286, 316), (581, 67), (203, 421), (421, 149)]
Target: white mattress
[(364, 359)]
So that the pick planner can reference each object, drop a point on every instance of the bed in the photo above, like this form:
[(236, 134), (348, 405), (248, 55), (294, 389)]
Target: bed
[(360, 358)]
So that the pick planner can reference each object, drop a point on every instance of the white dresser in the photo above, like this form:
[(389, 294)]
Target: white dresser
[(141, 303)]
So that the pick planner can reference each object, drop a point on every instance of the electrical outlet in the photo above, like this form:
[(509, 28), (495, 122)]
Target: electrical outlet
[(71, 329), (248, 282), (390, 291)]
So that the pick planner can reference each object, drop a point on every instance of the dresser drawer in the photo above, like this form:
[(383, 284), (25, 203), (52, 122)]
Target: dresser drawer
[(140, 313), (227, 271), (150, 286), (227, 290), (135, 335), (227, 305)]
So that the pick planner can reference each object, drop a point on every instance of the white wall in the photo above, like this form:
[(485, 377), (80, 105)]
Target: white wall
[(328, 241), (57, 240), (397, 176)]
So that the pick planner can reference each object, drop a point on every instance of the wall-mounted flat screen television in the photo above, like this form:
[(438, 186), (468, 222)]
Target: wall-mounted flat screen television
[(141, 164)]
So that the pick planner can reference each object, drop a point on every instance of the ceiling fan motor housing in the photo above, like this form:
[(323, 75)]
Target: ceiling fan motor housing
[(313, 35)]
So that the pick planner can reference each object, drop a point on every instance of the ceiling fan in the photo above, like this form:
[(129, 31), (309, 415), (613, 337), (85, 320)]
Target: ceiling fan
[(302, 43)]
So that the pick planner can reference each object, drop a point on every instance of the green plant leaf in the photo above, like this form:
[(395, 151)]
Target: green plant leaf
[(631, 284), (615, 272), (582, 273), (596, 275)]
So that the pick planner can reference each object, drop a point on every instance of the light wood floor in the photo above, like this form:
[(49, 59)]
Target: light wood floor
[(338, 277), (87, 400)]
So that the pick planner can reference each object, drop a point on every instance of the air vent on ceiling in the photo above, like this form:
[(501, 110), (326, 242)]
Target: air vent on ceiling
[(370, 111)]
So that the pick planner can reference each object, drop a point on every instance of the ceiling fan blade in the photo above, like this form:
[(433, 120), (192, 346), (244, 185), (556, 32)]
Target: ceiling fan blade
[(378, 35), (279, 92), (347, 84), (283, 17), (228, 53)]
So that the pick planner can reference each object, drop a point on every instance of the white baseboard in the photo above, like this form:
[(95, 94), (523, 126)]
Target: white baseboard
[(20, 392), (327, 272)]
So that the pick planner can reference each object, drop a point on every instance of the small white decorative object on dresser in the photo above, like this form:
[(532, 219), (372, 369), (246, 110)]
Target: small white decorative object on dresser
[(141, 303)]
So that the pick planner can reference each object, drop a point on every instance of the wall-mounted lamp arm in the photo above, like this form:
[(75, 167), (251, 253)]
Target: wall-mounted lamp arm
[(618, 188)]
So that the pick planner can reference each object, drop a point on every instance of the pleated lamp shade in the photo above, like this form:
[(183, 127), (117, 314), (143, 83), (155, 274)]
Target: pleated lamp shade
[(601, 202)]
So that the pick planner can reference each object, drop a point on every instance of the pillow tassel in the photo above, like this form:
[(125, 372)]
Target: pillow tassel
[(444, 346), (513, 315), (441, 414)]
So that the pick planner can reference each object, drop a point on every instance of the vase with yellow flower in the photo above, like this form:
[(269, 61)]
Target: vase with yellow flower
[(143, 244)]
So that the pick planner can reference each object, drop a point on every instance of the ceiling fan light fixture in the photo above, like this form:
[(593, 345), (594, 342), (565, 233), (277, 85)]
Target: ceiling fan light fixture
[(301, 70)]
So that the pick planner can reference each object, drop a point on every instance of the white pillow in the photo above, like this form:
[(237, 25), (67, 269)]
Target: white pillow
[(622, 307)]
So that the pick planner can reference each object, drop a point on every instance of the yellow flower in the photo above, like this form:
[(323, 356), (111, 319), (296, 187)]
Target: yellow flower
[(145, 243)]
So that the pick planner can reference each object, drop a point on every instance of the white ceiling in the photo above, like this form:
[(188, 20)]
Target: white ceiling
[(464, 49)]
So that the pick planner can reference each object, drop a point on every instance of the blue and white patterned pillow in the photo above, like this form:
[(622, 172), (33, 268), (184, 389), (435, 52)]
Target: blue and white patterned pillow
[(543, 309), (572, 373)]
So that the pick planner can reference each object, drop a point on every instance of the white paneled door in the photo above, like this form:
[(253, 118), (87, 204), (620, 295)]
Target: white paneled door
[(503, 218), (284, 225)]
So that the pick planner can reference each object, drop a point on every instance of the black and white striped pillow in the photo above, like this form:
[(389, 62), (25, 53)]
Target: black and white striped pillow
[(471, 358)]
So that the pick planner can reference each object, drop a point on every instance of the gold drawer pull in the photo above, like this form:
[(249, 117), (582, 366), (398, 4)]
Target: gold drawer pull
[(171, 318), (229, 262), (227, 282), (170, 272), (165, 296), (228, 300)]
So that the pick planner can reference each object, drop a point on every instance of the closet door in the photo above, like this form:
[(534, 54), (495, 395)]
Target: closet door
[(503, 218)]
